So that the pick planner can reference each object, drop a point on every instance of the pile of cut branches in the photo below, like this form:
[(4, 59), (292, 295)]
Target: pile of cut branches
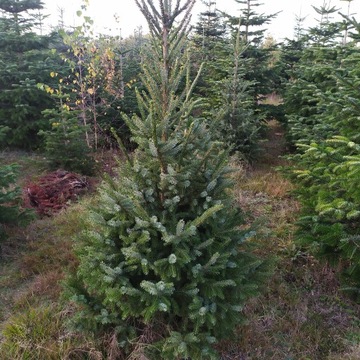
[(53, 191)]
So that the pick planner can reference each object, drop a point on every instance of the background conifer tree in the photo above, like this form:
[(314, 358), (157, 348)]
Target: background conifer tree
[(327, 31), (239, 76), (322, 102), (229, 97), (10, 196), (210, 50), (252, 34), (163, 259), (290, 54), (65, 144), (24, 61), (209, 30), (240, 126), (311, 77)]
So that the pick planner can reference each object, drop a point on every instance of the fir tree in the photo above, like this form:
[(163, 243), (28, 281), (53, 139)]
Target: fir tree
[(291, 52), (65, 143), (327, 173), (163, 259), (229, 96), (210, 48), (24, 61), (240, 127), (312, 76), (10, 196), (209, 30), (252, 32), (326, 166), (327, 31)]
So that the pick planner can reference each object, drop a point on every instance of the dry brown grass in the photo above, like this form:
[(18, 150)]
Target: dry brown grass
[(302, 313), (352, 354), (42, 287), (32, 321)]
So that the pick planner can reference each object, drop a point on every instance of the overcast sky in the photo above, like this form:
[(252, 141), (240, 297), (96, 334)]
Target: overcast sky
[(129, 17)]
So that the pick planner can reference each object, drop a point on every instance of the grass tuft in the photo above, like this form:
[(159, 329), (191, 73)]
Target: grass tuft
[(39, 333)]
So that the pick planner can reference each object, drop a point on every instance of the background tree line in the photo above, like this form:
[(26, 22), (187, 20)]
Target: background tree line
[(71, 73)]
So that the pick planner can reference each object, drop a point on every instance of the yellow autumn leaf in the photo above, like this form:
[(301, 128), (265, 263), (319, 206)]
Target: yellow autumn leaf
[(49, 90)]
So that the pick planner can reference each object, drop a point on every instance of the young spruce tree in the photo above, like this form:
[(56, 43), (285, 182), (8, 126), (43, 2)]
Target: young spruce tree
[(163, 260)]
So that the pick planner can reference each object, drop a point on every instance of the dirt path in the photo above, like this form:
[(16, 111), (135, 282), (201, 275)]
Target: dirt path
[(274, 146)]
